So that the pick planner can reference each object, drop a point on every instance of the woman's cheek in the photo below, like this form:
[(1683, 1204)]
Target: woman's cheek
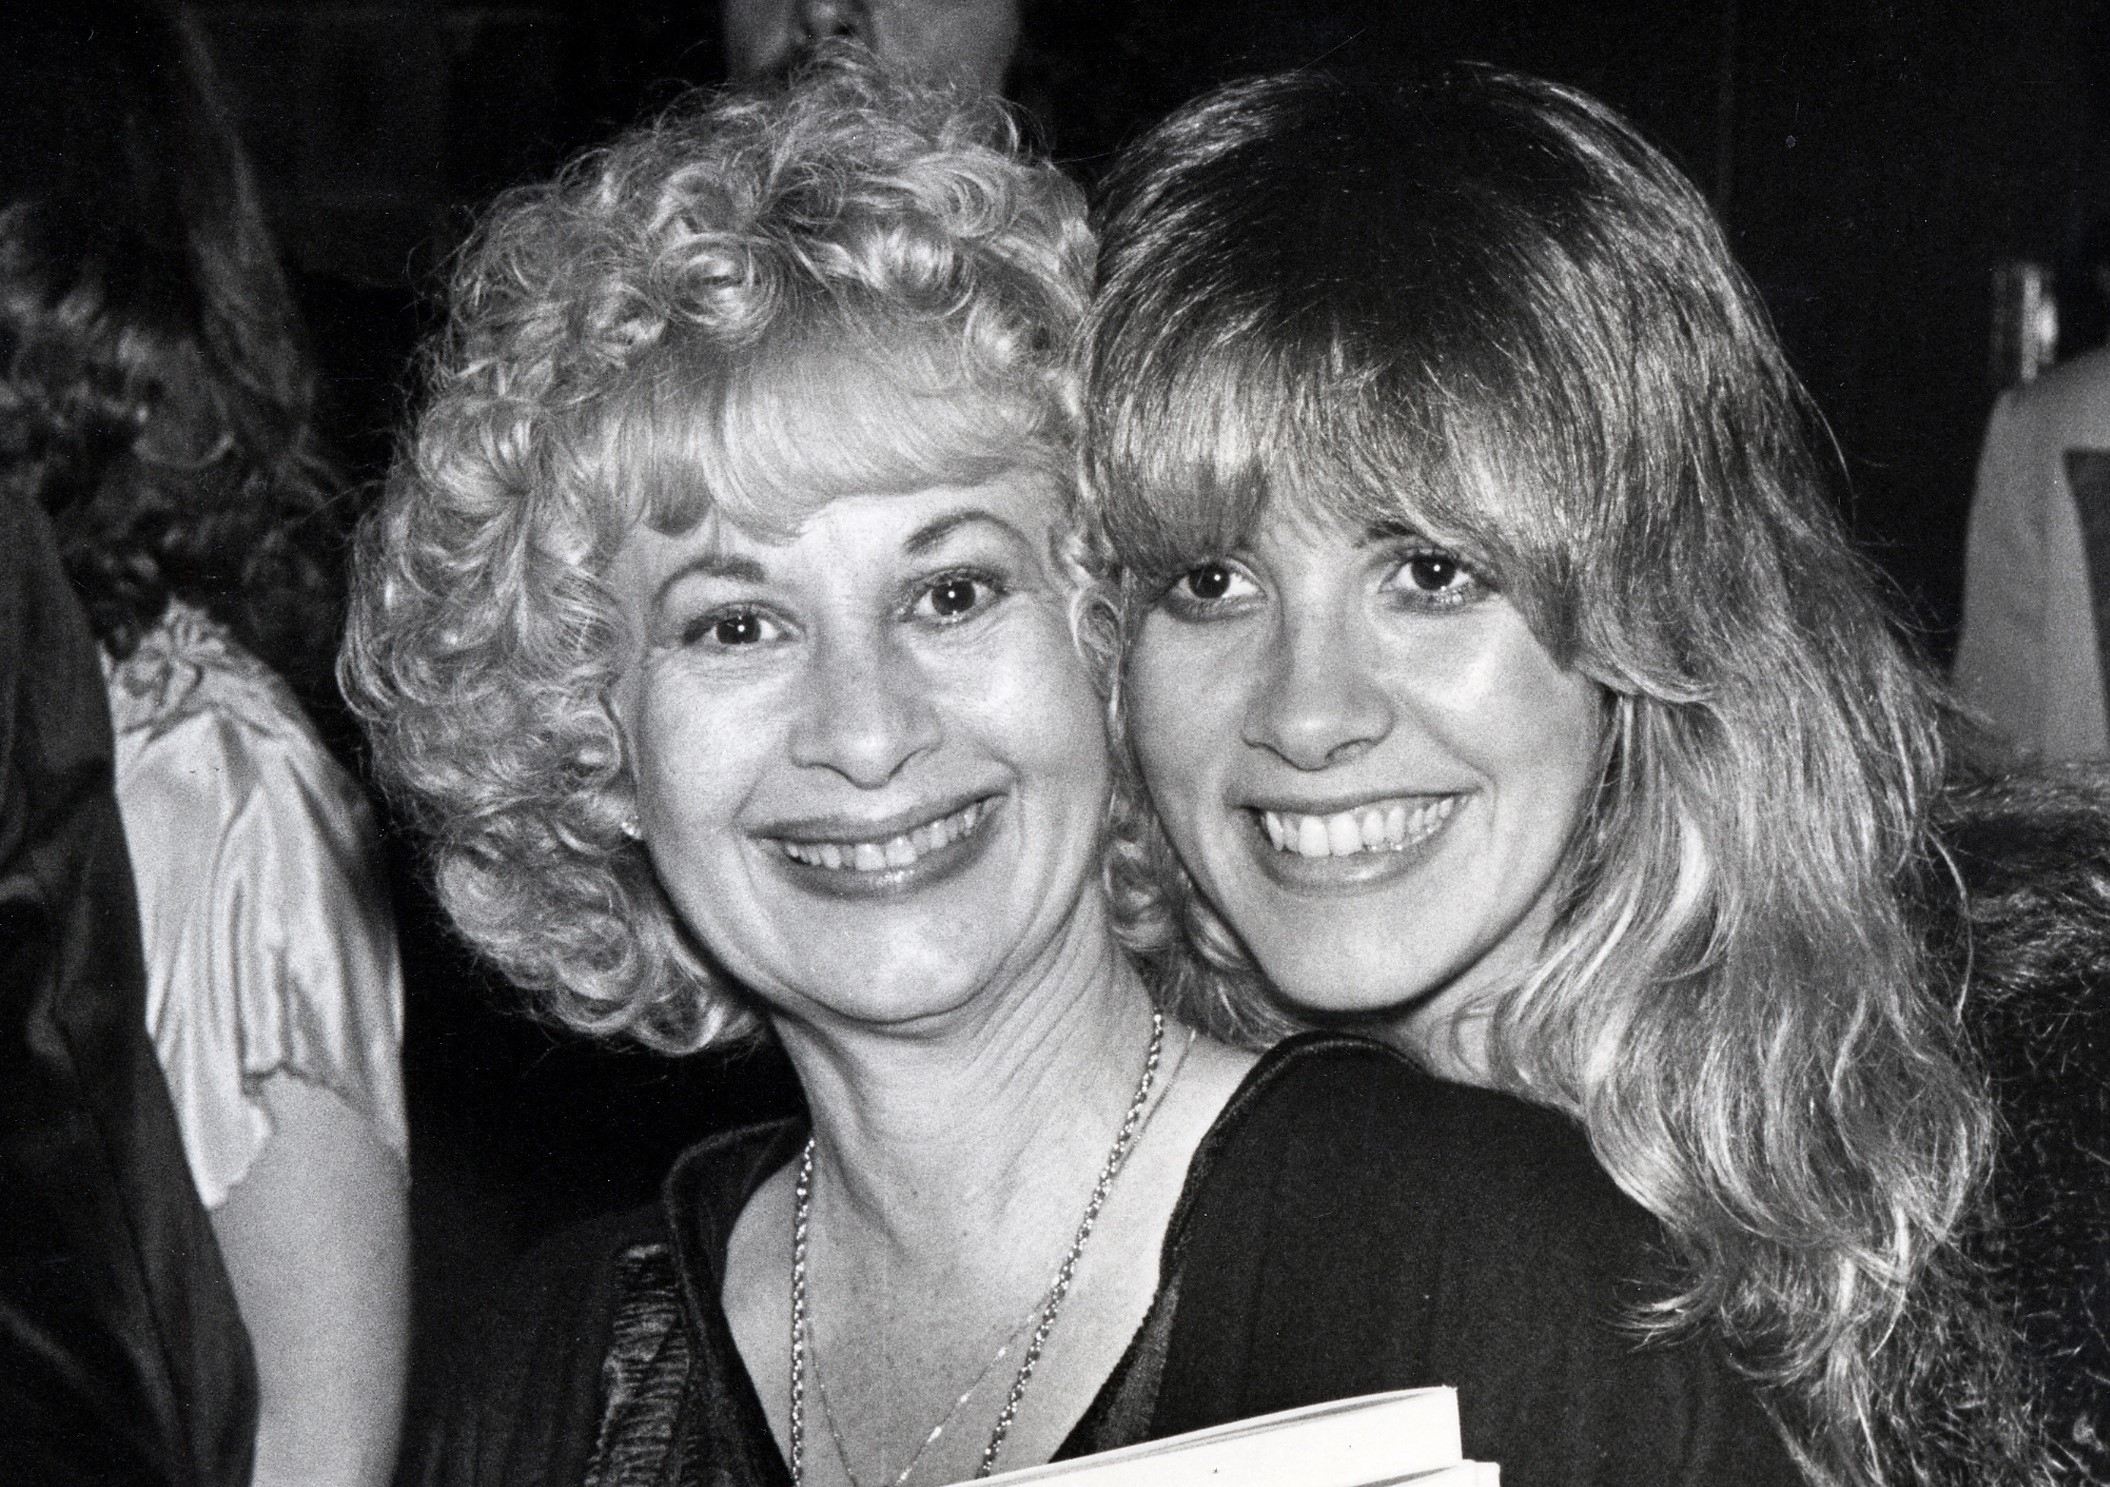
[(1179, 703)]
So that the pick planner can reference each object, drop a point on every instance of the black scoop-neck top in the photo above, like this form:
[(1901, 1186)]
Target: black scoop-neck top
[(1349, 1224)]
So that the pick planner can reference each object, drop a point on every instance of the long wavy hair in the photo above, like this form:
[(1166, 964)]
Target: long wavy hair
[(752, 305), (155, 398), (1480, 303)]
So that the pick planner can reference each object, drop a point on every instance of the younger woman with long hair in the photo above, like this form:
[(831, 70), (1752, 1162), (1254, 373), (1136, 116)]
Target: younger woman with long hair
[(1494, 660)]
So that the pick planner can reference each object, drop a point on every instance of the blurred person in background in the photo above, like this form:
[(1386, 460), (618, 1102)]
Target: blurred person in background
[(2029, 660), (156, 404), (971, 42), (123, 1362)]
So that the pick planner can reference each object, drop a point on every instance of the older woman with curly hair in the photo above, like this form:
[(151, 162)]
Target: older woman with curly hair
[(718, 628), (1504, 683)]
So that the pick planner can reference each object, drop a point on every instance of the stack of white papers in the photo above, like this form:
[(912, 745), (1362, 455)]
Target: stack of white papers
[(1410, 1435)]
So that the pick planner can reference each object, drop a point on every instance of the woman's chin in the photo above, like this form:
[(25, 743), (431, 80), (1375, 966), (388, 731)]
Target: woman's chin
[(1354, 966), (1334, 990), (891, 986)]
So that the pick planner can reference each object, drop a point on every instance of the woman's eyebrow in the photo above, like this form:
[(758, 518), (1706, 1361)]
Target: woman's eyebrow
[(936, 530), (727, 565)]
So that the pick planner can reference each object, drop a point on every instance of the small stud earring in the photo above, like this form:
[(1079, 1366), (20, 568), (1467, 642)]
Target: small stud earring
[(629, 826)]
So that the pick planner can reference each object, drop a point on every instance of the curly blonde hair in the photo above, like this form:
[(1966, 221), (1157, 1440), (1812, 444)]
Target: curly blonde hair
[(1482, 304), (646, 339)]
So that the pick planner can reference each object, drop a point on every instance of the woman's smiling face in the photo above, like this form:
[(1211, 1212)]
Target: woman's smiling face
[(870, 762), (1366, 759)]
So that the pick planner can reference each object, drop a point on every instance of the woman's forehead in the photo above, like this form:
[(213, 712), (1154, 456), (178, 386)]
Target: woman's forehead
[(853, 544), (780, 441), (1021, 497)]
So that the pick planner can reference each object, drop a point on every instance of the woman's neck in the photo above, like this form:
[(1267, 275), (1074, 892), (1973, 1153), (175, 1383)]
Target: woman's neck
[(952, 1168), (928, 1135), (1449, 1031)]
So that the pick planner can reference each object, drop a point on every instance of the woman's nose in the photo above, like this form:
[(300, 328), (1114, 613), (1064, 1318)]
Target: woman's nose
[(1316, 703), (868, 711)]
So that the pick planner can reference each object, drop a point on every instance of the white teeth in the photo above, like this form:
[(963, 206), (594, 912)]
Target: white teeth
[(893, 852), (1382, 826)]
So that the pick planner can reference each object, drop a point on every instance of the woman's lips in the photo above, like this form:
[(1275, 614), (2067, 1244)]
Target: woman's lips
[(1377, 826), (903, 849), (900, 862), (1369, 844)]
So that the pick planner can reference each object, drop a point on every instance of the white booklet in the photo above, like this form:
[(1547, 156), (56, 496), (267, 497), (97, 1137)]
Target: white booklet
[(1376, 1440)]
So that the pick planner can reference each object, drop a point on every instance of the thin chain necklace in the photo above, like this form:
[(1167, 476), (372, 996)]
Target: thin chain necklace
[(1050, 1307), (842, 1451), (820, 1382)]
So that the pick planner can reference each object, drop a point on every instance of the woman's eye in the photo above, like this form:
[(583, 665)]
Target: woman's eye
[(1210, 581), (1433, 572), (955, 596), (1210, 584), (1437, 576), (727, 628)]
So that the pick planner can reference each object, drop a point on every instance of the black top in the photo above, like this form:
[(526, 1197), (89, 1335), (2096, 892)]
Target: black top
[(1349, 1224)]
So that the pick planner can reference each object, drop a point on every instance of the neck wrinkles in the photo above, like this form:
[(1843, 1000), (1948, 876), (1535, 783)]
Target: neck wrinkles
[(924, 1132)]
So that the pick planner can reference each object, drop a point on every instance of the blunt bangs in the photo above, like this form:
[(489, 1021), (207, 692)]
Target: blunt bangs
[(1511, 335), (1192, 467), (1226, 418)]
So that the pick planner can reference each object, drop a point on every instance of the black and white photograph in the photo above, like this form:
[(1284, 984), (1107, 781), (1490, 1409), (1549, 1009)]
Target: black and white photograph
[(1106, 743)]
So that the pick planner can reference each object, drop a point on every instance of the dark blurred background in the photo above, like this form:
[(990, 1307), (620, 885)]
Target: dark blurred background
[(1876, 163)]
